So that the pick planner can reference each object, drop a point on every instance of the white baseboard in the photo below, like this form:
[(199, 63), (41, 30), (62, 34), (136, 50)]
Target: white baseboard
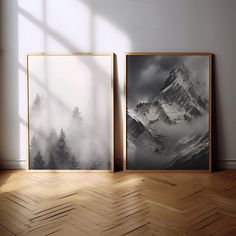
[(21, 164), (12, 164)]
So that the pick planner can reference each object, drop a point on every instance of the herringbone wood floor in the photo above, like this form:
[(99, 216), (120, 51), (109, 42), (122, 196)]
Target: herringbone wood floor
[(117, 204)]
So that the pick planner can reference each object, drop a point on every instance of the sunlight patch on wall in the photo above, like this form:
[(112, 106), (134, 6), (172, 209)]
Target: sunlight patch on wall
[(71, 20), (63, 26)]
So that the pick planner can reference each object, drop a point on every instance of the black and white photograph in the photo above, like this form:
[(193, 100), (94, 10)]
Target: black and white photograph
[(70, 111), (168, 106)]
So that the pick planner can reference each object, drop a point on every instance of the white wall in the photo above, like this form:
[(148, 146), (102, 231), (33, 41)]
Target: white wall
[(117, 26)]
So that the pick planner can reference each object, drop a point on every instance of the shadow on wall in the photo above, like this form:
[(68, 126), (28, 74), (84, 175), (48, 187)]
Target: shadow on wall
[(218, 144), (9, 123)]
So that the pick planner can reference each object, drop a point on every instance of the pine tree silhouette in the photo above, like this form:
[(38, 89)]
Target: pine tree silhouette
[(38, 163), (34, 149), (52, 163), (51, 145), (63, 155), (76, 134), (76, 114), (36, 103)]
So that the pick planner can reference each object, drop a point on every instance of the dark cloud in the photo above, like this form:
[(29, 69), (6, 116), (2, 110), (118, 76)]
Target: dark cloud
[(168, 62), (146, 74)]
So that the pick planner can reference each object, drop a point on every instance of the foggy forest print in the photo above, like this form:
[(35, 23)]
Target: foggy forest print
[(167, 112), (70, 113)]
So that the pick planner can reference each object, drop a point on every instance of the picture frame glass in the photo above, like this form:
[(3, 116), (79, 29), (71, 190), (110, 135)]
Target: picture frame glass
[(70, 111), (168, 112)]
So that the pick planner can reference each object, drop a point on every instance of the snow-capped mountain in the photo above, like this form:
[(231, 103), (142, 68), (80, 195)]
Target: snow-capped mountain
[(178, 103)]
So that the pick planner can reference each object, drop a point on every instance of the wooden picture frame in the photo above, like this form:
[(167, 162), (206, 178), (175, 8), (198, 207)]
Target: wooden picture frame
[(95, 71), (144, 66)]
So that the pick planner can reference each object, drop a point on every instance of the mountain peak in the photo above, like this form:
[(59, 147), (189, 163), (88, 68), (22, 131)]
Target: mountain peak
[(178, 100), (181, 72)]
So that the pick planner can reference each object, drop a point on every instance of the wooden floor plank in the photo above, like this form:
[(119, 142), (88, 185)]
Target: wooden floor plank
[(37, 204)]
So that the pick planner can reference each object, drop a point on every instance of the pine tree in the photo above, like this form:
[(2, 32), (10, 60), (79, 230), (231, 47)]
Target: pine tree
[(38, 162), (51, 144), (76, 133), (76, 121), (61, 148), (64, 158), (36, 103), (34, 149), (52, 163), (76, 114)]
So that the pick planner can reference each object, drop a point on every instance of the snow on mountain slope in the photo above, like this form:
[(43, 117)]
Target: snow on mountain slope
[(177, 101), (190, 152), (148, 113), (183, 94), (175, 112), (138, 135)]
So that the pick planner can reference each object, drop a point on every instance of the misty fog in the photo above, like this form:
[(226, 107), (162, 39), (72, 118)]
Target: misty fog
[(70, 110)]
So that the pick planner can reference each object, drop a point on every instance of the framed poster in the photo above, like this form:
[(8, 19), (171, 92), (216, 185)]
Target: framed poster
[(70, 111), (168, 112)]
